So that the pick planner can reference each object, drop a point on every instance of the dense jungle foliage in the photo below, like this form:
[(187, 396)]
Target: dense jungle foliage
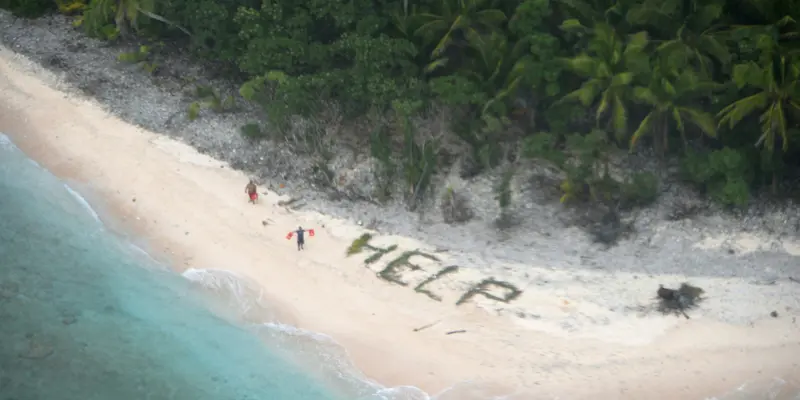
[(713, 83)]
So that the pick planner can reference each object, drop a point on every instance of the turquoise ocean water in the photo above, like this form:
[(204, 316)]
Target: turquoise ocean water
[(86, 315)]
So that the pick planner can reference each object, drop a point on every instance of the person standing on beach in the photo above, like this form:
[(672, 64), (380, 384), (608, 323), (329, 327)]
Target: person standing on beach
[(252, 191), (301, 240)]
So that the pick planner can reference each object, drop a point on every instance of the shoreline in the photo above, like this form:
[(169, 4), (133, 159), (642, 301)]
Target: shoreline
[(189, 207), (545, 227)]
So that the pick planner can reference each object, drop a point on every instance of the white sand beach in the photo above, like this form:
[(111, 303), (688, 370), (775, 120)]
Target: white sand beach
[(563, 340)]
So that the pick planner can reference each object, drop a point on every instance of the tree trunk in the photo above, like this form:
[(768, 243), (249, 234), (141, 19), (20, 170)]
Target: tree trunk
[(665, 134), (774, 183), (122, 19), (683, 139)]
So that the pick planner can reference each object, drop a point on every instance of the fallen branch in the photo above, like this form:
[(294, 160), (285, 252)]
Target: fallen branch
[(164, 20), (287, 203), (458, 331), (426, 326)]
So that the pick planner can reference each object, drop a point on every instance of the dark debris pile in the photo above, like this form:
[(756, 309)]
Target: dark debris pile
[(677, 301)]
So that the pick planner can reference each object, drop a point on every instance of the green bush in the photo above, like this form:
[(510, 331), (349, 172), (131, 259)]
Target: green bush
[(621, 75), (724, 174), (28, 8), (419, 164), (640, 189), (253, 130), (381, 150)]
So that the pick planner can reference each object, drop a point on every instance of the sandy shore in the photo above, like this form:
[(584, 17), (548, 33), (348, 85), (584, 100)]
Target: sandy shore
[(193, 209)]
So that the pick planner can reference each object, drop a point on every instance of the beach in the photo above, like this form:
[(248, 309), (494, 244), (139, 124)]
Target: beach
[(191, 212)]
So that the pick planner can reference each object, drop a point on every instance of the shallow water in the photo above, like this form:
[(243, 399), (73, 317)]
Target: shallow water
[(85, 314)]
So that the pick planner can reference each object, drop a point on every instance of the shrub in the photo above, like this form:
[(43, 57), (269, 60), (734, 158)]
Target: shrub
[(71, 7), (724, 174), (381, 150), (640, 189), (28, 8), (209, 99), (503, 196), (253, 130), (455, 207), (419, 163)]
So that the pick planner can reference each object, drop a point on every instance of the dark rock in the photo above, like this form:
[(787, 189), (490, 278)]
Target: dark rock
[(610, 229), (684, 210), (470, 168), (57, 62)]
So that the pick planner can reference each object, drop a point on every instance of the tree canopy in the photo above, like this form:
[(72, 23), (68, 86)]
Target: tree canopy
[(712, 82)]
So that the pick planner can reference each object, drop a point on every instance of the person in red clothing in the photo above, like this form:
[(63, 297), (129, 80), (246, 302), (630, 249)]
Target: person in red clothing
[(252, 191)]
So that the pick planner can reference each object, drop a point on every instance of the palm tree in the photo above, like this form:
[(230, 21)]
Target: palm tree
[(610, 67), (457, 20), (591, 12), (777, 85), (498, 66), (403, 20), (694, 35), (670, 101), (126, 14)]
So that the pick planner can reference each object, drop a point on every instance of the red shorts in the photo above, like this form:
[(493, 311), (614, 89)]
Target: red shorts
[(254, 196)]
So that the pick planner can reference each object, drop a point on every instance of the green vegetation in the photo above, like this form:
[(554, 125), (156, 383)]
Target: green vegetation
[(28, 8), (573, 82), (392, 270), (359, 244), (483, 288), (444, 271), (208, 98), (253, 130), (362, 242), (140, 57), (455, 207)]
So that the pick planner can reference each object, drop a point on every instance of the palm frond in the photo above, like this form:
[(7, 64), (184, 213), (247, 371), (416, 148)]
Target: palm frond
[(637, 42), (583, 65), (436, 64), (706, 15), (573, 25), (644, 127), (491, 17), (619, 118), (622, 79), (701, 119), (585, 94), (738, 110), (603, 106), (773, 121), (644, 95), (428, 30), (715, 48), (678, 118)]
